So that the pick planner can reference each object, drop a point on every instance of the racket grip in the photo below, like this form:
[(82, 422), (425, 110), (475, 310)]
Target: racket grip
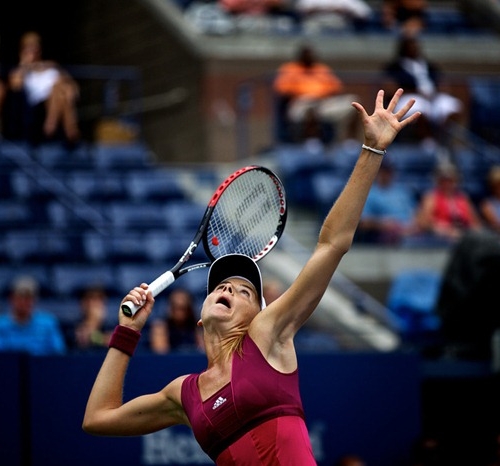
[(156, 287)]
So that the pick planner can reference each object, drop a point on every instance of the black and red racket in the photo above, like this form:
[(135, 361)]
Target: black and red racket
[(246, 215)]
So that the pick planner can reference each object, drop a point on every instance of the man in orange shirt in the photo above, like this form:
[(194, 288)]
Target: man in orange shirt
[(313, 94)]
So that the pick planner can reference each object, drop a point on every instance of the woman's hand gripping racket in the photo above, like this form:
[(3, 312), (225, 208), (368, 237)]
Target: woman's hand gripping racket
[(246, 215)]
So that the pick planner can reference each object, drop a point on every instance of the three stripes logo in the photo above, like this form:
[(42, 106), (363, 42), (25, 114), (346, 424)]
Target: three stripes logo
[(219, 401)]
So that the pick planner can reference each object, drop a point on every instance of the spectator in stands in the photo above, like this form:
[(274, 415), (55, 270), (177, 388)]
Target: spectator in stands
[(91, 332), (405, 16), (264, 8), (26, 328), (313, 95), (389, 213), (489, 207), (335, 14), (41, 97), (420, 79), (272, 289), (177, 330), (446, 211)]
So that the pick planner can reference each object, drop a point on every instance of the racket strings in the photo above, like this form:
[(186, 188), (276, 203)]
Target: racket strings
[(247, 215)]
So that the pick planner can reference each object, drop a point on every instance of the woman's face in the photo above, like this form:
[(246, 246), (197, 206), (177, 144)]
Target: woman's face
[(234, 300)]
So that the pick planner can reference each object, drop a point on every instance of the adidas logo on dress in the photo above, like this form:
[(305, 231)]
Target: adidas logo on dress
[(218, 402)]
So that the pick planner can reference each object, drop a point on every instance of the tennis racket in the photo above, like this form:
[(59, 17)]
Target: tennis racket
[(246, 215)]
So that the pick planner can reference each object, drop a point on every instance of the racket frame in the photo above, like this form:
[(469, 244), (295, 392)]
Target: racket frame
[(170, 276)]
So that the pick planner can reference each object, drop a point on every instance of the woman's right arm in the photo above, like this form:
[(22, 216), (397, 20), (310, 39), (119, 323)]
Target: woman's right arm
[(106, 414)]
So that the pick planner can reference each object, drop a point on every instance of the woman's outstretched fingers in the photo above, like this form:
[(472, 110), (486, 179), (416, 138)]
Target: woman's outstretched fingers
[(394, 100)]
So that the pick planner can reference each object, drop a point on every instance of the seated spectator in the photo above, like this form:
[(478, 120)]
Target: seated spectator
[(91, 331), (405, 16), (177, 330), (262, 8), (446, 211), (272, 288), (313, 95), (420, 79), (41, 97), (336, 14), (489, 207), (389, 213), (27, 329)]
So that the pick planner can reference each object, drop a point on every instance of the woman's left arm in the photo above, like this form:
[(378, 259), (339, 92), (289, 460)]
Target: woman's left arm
[(283, 318)]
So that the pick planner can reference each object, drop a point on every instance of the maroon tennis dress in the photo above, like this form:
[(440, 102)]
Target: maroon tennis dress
[(256, 419)]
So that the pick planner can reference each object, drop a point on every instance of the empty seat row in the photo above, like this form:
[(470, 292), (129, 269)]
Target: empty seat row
[(140, 185), (27, 246), (94, 156), (104, 217)]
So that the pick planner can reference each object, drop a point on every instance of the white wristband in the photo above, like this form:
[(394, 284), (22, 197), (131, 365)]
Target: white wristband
[(377, 151)]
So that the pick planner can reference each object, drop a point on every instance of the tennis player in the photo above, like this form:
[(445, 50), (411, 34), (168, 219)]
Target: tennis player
[(245, 407)]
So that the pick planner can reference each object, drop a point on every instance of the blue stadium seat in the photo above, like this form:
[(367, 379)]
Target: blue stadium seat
[(22, 245), (38, 185), (125, 246), (139, 216), (158, 185), (12, 153), (160, 246), (412, 300), (14, 214), (123, 156), (90, 185), (184, 216), (485, 108), (412, 158), (9, 272), (297, 167), (70, 279), (327, 186), (60, 156), (77, 217)]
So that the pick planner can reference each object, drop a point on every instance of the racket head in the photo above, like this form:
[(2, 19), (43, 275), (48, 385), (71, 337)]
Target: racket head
[(248, 214)]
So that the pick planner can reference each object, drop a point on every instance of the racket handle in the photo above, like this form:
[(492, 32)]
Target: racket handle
[(156, 287)]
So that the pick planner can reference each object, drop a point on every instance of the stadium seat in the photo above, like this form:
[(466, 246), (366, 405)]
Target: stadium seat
[(297, 167), (123, 156), (22, 245), (157, 185), (412, 158), (70, 279), (412, 300), (14, 214), (160, 246), (8, 272), (122, 246), (77, 217), (138, 216), (59, 156), (93, 186), (326, 186), (485, 108), (184, 216)]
